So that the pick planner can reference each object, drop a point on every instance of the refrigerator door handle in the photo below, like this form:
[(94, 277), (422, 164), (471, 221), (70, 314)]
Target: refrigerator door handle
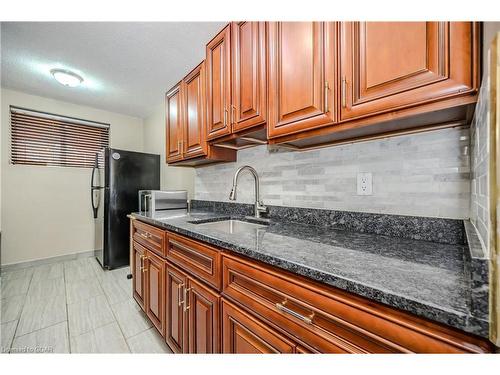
[(93, 188)]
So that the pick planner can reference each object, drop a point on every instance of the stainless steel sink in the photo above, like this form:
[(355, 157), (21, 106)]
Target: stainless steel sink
[(233, 226)]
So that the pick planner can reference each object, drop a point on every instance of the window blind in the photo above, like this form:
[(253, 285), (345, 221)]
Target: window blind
[(39, 138)]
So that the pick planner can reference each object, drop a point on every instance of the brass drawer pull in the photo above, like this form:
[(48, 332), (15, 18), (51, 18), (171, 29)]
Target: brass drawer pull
[(179, 287), (281, 306), (186, 300), (233, 108), (327, 88), (344, 92)]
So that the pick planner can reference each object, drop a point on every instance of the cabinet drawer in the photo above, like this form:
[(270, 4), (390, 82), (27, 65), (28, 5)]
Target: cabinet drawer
[(243, 334), (202, 261), (330, 320), (150, 237)]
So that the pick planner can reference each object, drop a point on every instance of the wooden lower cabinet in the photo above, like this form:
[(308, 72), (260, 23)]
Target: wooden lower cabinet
[(175, 333), (154, 270), (264, 309), (138, 255), (192, 319), (203, 314), (333, 321), (244, 334)]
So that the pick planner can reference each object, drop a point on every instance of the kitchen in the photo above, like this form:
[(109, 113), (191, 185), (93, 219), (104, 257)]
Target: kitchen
[(285, 187)]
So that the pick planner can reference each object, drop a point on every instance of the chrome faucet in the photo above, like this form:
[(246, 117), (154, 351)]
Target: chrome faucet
[(259, 206)]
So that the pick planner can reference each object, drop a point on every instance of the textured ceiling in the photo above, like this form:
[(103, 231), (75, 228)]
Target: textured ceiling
[(127, 66)]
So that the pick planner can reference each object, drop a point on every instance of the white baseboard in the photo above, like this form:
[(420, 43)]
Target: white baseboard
[(38, 262)]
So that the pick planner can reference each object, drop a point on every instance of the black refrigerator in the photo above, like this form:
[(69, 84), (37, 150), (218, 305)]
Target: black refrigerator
[(117, 177)]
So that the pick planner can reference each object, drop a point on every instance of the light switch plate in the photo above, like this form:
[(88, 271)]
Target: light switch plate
[(365, 186)]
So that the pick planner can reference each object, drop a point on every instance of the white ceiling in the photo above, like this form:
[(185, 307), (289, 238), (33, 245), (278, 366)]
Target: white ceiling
[(127, 66)]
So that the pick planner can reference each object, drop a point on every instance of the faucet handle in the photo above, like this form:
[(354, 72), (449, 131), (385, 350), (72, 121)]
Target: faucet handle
[(262, 208)]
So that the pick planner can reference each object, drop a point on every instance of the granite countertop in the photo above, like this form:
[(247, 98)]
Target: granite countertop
[(422, 277)]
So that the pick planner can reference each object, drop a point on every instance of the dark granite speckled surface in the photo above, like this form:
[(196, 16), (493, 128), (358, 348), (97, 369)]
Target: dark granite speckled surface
[(476, 271), (440, 230), (421, 277)]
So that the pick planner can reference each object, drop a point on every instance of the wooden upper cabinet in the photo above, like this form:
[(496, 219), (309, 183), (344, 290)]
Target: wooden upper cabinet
[(248, 49), (302, 65), (194, 137), (390, 65), (218, 67), (186, 109), (173, 105)]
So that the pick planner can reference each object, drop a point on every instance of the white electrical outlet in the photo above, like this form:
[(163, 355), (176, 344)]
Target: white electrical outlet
[(365, 186)]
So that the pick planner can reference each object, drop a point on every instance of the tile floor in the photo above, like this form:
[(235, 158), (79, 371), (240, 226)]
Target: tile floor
[(73, 307)]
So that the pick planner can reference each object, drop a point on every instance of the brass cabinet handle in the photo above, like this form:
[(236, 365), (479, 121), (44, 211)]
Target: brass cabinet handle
[(146, 235), (186, 300), (179, 287), (344, 92), (225, 116), (327, 88), (281, 306)]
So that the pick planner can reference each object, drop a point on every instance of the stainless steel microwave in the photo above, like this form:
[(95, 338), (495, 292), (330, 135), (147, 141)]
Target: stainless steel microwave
[(151, 201)]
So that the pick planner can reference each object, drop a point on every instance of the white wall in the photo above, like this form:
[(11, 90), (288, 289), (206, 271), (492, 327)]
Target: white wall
[(490, 29), (46, 211), (172, 178)]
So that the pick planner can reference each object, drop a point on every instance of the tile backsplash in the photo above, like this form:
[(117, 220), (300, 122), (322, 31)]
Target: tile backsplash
[(425, 174), (480, 158)]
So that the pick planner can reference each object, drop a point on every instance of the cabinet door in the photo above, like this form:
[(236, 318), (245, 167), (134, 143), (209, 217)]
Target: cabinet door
[(218, 68), (138, 255), (248, 50), (173, 106), (155, 291), (194, 140), (176, 328), (243, 334), (202, 306), (302, 65), (390, 65)]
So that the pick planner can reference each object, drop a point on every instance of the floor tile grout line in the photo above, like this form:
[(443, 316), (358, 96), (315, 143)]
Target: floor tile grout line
[(21, 309), (40, 329), (93, 331), (100, 326), (21, 314), (120, 328), (66, 307), (116, 320), (86, 299)]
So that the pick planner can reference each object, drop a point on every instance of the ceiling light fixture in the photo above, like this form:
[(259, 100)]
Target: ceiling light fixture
[(66, 77)]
